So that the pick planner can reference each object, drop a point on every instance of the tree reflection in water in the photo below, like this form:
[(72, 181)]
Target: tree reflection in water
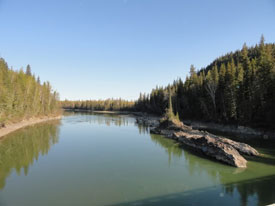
[(108, 119), (21, 148), (245, 186)]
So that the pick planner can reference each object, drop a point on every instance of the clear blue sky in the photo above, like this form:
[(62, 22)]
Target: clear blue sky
[(95, 49)]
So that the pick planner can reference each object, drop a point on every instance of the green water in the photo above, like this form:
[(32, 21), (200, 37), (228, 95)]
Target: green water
[(96, 159)]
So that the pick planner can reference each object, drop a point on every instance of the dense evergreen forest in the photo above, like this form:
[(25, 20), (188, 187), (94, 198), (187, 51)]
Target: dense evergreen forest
[(237, 88), (22, 96), (100, 105)]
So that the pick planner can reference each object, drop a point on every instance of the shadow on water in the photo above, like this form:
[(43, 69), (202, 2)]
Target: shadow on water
[(20, 149), (236, 186), (258, 191), (263, 158), (233, 186)]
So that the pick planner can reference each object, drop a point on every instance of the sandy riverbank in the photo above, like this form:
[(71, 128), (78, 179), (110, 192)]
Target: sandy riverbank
[(15, 126)]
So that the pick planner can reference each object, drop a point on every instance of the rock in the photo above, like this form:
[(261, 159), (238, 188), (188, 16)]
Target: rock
[(221, 149), (174, 125), (149, 121), (212, 147), (242, 148)]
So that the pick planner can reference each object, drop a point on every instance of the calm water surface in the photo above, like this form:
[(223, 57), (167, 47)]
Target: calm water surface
[(96, 159)]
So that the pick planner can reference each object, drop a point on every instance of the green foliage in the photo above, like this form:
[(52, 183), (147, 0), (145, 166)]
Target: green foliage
[(236, 88), (99, 105), (169, 114), (22, 97)]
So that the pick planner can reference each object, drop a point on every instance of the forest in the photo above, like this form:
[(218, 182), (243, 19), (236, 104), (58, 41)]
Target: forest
[(237, 88), (99, 105), (23, 96)]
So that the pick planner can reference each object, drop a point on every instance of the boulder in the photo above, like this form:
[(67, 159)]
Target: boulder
[(149, 121), (211, 147), (219, 148)]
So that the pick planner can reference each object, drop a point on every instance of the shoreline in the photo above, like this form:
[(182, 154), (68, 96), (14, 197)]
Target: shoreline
[(241, 132), (105, 112), (15, 126)]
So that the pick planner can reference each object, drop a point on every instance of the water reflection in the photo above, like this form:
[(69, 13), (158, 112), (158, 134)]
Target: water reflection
[(193, 161), (108, 119), (143, 129), (20, 149), (170, 146), (129, 176), (259, 191), (252, 186)]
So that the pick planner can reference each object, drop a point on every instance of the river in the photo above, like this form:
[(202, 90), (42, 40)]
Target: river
[(108, 159)]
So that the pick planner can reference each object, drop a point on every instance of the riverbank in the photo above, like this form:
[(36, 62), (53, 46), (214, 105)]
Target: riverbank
[(15, 126), (240, 132)]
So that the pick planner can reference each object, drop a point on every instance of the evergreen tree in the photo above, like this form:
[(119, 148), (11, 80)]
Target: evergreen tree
[(28, 70), (21, 96), (238, 87)]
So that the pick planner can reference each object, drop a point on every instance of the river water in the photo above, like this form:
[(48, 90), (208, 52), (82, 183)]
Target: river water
[(104, 159)]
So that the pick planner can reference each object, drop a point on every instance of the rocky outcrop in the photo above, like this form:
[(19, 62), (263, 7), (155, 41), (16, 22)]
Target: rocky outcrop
[(242, 148), (239, 131), (149, 121), (219, 148)]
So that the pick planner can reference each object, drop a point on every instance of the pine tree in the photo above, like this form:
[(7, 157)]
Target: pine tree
[(241, 84), (21, 96), (169, 114), (28, 70)]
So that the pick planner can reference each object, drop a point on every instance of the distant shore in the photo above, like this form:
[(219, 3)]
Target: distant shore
[(105, 112), (15, 126), (241, 132)]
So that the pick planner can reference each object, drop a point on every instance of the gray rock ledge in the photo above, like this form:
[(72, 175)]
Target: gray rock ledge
[(219, 148)]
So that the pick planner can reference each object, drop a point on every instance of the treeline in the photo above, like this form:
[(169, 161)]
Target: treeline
[(22, 96), (236, 88), (99, 105)]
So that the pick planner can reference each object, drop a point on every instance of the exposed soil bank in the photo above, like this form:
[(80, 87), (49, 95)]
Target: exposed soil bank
[(15, 126), (240, 131)]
